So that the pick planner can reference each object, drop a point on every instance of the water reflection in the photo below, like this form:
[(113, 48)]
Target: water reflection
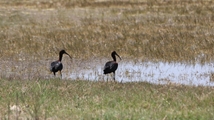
[(158, 73)]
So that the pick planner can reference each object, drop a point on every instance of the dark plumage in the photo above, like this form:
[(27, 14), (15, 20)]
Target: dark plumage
[(57, 65), (111, 66)]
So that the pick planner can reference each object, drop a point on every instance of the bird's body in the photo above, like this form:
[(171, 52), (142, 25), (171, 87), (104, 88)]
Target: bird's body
[(111, 66), (57, 65)]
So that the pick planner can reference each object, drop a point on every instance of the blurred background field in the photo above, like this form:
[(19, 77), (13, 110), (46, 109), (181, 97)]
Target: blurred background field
[(138, 29)]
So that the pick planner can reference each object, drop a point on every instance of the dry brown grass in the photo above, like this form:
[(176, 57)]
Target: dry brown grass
[(168, 31)]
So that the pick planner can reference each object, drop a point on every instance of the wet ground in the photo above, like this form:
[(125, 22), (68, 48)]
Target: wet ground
[(128, 71)]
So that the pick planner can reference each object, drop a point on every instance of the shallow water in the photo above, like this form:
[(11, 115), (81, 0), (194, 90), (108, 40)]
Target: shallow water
[(92, 69), (158, 73)]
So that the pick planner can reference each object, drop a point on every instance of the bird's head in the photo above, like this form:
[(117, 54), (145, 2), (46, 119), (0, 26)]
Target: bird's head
[(63, 52), (114, 53)]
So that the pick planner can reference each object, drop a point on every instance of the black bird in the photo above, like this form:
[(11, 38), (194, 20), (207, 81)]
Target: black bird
[(111, 66), (57, 65)]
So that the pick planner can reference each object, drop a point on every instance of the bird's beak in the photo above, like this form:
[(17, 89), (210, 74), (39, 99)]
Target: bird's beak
[(68, 55), (119, 56)]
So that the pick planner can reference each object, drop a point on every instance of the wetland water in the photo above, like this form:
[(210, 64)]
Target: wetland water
[(128, 71), (152, 72)]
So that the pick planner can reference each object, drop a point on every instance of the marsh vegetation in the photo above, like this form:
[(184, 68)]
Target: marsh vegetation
[(34, 31)]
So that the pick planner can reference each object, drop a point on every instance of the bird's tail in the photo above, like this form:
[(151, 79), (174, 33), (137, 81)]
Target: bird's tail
[(104, 72)]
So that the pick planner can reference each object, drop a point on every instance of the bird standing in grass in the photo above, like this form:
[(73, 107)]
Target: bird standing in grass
[(111, 66), (57, 65)]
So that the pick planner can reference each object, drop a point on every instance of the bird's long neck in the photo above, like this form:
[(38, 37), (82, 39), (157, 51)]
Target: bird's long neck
[(114, 57), (60, 57)]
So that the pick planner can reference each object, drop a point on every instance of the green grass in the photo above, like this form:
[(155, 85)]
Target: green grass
[(56, 99)]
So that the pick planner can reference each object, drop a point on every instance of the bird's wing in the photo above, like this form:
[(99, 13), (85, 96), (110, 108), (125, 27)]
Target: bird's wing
[(108, 65), (54, 65)]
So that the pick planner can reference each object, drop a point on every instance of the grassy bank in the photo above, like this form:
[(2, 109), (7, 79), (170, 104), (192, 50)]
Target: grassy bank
[(56, 99)]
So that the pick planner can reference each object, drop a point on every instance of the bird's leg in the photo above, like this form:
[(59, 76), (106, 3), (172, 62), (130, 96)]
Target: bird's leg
[(60, 74), (54, 73), (107, 77), (114, 76)]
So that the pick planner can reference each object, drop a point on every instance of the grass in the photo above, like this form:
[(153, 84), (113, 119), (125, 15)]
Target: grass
[(154, 31), (56, 99)]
